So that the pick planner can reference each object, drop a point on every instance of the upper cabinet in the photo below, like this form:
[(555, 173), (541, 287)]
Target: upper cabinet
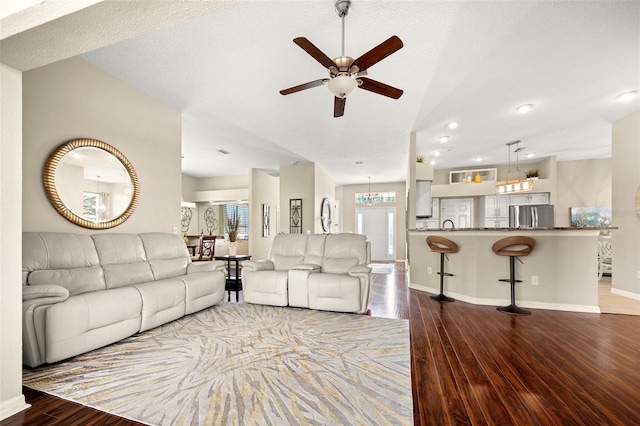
[(527, 199)]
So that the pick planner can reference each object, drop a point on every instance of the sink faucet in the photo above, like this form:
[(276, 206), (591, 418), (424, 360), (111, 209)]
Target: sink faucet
[(453, 226)]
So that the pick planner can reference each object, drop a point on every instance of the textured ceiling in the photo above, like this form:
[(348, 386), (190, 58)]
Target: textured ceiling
[(465, 61)]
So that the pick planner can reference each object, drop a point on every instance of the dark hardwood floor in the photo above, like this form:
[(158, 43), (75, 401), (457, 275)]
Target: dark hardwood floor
[(473, 365)]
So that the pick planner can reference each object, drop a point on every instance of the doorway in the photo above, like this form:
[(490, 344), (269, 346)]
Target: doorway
[(379, 225)]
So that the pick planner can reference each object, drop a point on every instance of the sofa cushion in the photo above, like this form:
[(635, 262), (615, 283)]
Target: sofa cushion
[(91, 320), (123, 259), (334, 292), (315, 249), (343, 251), (288, 250), (265, 288), (162, 301), (167, 254), (57, 258)]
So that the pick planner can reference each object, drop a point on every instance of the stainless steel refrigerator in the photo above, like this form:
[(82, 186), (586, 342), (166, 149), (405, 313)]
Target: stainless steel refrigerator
[(531, 216)]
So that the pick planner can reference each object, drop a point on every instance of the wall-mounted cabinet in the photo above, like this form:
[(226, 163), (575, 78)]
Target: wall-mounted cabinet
[(494, 209), (528, 199)]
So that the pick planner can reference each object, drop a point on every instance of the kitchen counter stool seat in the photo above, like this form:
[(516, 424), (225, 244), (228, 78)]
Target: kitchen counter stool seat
[(443, 246), (514, 247)]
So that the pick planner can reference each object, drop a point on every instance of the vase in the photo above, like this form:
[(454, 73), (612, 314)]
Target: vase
[(478, 178), (233, 249)]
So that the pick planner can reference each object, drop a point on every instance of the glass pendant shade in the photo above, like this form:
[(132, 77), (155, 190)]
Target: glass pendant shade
[(342, 86)]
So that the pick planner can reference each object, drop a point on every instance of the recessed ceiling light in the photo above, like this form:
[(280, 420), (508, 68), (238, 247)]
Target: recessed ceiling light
[(432, 162), (452, 125), (478, 159), (531, 154), (627, 96), (524, 108), (443, 139), (436, 153)]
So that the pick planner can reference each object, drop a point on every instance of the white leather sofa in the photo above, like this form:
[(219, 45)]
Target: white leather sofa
[(82, 292), (318, 271)]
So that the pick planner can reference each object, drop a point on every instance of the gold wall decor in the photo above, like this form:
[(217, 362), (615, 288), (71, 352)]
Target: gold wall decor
[(83, 154)]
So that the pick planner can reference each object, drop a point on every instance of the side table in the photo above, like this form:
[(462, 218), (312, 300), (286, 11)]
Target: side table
[(234, 282)]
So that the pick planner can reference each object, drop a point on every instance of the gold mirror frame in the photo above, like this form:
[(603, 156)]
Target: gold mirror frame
[(49, 177)]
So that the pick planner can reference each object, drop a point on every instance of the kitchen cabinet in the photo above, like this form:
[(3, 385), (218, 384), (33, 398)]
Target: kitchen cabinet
[(529, 199), (496, 206)]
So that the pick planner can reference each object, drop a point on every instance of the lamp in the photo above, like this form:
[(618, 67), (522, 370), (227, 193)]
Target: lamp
[(518, 184), (368, 201), (342, 85)]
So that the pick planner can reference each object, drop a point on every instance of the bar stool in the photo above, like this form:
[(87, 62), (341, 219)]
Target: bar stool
[(443, 246), (514, 247)]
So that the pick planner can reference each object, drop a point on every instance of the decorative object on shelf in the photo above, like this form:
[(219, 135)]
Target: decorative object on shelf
[(233, 223), (478, 178), (518, 184), (265, 220), (325, 215), (84, 155), (420, 158), (533, 174), (295, 216), (369, 202)]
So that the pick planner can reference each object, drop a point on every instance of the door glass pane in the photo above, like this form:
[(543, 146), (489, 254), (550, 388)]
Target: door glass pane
[(390, 233), (359, 226)]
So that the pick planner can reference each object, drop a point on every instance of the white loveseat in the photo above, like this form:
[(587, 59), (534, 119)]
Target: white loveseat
[(318, 271), (82, 292)]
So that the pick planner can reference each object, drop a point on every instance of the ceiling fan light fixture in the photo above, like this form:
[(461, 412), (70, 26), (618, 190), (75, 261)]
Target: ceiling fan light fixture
[(341, 86)]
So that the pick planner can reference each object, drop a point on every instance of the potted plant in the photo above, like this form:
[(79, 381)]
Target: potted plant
[(533, 174), (420, 158), (233, 223)]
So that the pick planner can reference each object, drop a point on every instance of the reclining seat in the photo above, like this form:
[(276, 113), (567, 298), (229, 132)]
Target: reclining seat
[(67, 308), (343, 282), (265, 282)]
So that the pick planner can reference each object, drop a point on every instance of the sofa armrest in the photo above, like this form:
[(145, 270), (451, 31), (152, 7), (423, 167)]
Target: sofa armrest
[(359, 270), (257, 265), (49, 293), (208, 266), (308, 267)]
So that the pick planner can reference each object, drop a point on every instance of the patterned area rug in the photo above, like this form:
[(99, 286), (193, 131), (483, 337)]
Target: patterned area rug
[(247, 364)]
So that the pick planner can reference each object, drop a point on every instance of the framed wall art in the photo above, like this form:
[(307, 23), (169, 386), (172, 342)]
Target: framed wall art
[(295, 216)]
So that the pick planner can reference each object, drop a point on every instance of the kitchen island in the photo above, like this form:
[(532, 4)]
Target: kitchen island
[(564, 264)]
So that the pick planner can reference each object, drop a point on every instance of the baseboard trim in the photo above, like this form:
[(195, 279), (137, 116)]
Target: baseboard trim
[(625, 293), (12, 406), (504, 302)]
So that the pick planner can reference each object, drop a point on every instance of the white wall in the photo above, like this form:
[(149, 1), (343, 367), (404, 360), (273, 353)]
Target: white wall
[(264, 189), (626, 181), (74, 99), (297, 181), (11, 398), (585, 183), (325, 187)]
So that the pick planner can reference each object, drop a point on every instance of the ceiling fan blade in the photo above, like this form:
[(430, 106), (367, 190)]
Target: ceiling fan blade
[(338, 106), (378, 53), (312, 50), (380, 88), (304, 86)]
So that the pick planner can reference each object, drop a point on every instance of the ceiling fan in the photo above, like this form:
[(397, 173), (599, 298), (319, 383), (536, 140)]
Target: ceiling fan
[(345, 72)]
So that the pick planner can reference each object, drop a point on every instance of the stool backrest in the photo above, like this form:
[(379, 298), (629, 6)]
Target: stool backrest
[(441, 244), (514, 246)]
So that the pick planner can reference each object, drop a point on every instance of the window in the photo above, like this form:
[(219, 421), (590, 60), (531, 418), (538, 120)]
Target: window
[(90, 206), (378, 197), (243, 216)]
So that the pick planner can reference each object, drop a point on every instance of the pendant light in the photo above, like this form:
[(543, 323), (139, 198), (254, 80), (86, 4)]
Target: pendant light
[(518, 184), (368, 202)]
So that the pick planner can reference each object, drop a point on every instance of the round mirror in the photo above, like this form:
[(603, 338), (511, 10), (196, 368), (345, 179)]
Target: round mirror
[(325, 215), (91, 184)]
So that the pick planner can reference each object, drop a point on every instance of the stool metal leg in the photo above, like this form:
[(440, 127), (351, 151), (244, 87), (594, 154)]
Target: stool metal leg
[(441, 297), (512, 308)]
